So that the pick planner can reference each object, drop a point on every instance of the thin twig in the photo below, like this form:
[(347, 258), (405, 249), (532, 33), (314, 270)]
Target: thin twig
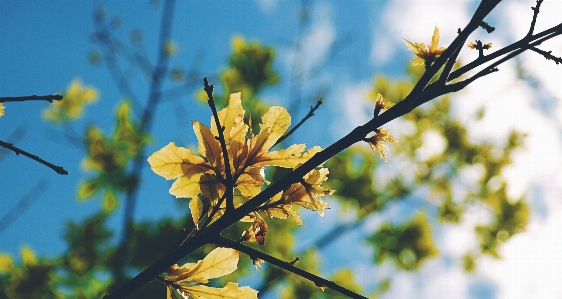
[(522, 43), (229, 183), (536, 11), (309, 115), (547, 54), (289, 266), (18, 151), (487, 27), (48, 98)]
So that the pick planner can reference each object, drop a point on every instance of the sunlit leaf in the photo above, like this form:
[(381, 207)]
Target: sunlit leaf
[(274, 123), (231, 290), (251, 181), (238, 149), (231, 116), (219, 262), (309, 192), (172, 162), (186, 187), (211, 187), (209, 147)]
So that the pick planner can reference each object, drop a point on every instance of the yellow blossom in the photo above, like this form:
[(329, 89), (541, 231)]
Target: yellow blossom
[(426, 56), (380, 104), (478, 44), (375, 141), (2, 109)]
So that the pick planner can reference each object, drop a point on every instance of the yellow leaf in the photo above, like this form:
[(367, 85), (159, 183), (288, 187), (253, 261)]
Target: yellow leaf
[(2, 109), (196, 207), (308, 193), (211, 187), (274, 123), (283, 212), (434, 40), (172, 162), (219, 262), (250, 182), (209, 147), (231, 290), (426, 56), (238, 149), (415, 47), (186, 187), (231, 116), (291, 157)]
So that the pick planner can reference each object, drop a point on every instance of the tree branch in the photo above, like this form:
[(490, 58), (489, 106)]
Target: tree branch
[(58, 169), (522, 43), (48, 98), (419, 95), (317, 280)]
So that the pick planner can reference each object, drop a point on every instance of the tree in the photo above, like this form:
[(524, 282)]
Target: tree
[(226, 182)]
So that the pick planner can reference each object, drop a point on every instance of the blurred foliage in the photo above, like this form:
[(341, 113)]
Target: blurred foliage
[(72, 105), (31, 278), (109, 157), (408, 244), (365, 186)]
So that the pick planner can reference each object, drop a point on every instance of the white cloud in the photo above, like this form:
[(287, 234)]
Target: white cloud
[(433, 144), (317, 43), (531, 263), (351, 108), (415, 21)]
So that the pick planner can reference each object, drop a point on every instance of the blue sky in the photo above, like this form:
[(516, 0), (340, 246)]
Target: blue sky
[(44, 47)]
